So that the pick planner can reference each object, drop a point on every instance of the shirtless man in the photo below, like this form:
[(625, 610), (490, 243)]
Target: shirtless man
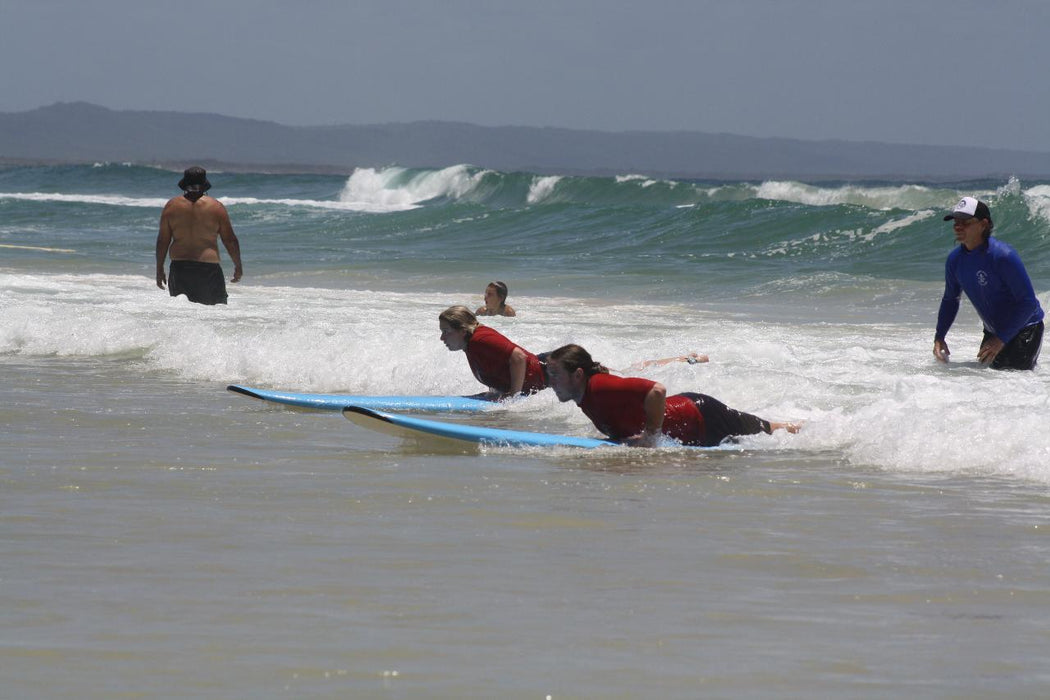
[(190, 227)]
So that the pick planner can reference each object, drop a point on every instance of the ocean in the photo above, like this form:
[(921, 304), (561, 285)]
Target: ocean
[(163, 537)]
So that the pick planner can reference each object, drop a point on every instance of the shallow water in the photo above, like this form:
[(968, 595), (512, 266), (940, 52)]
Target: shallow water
[(213, 546)]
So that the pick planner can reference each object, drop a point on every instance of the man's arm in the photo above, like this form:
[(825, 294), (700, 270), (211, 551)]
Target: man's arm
[(947, 312), (163, 243), (229, 239)]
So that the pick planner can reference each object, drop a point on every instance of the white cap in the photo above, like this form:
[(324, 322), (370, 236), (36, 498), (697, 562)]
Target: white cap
[(969, 207)]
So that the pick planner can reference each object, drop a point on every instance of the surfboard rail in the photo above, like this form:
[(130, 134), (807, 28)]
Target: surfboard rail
[(336, 402)]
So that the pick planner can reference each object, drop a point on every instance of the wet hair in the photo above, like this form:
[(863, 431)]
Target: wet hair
[(543, 357), (988, 230), (501, 291), (460, 318), (573, 357)]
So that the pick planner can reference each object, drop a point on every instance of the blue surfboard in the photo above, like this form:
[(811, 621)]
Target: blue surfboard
[(410, 426), (404, 426), (336, 402)]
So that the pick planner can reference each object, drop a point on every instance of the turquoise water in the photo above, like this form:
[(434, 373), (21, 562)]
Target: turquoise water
[(425, 230), (164, 537)]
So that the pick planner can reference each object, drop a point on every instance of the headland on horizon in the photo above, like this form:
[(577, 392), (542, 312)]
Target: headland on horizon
[(78, 132)]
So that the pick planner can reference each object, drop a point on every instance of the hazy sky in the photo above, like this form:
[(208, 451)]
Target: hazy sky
[(906, 71)]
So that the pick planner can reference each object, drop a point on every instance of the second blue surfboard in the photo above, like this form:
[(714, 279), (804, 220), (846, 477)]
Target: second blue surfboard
[(410, 426)]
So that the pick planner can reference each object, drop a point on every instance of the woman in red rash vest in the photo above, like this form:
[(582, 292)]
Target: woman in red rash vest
[(504, 367), (638, 411)]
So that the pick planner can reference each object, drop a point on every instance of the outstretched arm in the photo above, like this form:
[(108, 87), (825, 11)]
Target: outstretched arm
[(692, 358)]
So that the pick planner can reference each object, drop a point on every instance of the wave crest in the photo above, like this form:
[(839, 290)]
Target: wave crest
[(400, 189)]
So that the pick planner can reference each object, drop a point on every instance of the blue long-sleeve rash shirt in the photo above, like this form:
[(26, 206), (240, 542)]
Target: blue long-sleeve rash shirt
[(996, 283)]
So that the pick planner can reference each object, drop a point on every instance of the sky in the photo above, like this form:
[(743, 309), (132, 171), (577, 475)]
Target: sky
[(931, 72)]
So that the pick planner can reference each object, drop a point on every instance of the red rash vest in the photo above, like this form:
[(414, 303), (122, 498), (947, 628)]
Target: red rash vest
[(616, 406), (488, 352)]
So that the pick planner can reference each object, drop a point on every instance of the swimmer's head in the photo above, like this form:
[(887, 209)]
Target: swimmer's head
[(499, 289)]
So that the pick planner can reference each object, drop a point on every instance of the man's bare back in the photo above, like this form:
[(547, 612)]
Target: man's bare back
[(191, 226), (194, 228)]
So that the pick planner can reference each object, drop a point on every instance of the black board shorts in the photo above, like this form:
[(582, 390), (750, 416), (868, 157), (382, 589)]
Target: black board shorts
[(1022, 351), (721, 421), (201, 282)]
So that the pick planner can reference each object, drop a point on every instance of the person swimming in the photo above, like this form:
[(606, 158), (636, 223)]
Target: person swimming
[(496, 301)]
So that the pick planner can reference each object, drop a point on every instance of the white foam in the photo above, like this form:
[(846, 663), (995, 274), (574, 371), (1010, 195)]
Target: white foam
[(369, 207), (398, 189), (37, 248), (900, 196), (644, 180), (158, 203), (542, 188), (870, 392), (108, 200), (1038, 201), (833, 237), (366, 190), (903, 222)]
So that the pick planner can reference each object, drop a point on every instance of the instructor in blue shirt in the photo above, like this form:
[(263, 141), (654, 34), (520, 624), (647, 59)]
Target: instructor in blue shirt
[(994, 279)]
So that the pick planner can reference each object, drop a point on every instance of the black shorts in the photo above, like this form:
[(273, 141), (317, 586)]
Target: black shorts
[(1022, 351), (721, 421), (201, 282)]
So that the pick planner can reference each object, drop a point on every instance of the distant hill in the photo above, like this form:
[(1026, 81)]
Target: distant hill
[(80, 132)]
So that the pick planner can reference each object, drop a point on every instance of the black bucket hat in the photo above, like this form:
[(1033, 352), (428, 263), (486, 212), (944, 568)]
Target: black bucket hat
[(194, 179)]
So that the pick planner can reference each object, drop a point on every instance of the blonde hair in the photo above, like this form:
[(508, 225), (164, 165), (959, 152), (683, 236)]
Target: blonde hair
[(460, 318)]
